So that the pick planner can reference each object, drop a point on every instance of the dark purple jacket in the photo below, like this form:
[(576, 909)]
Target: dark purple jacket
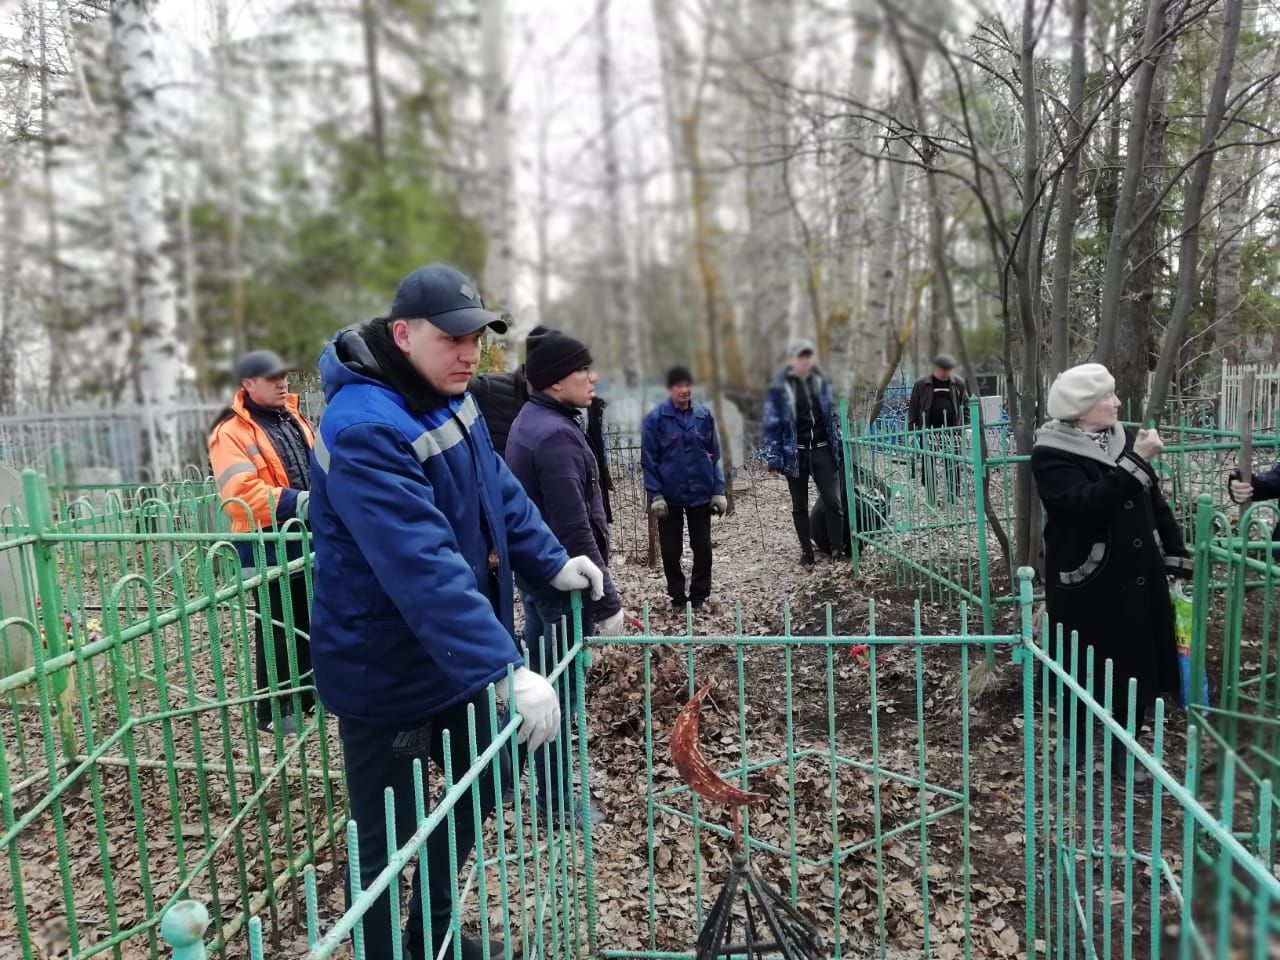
[(548, 452)]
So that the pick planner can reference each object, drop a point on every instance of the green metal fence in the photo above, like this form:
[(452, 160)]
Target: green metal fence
[(1236, 608), (940, 540), (900, 821), (132, 771)]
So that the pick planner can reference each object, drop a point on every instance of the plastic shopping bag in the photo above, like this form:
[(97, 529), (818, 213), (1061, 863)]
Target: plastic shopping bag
[(1182, 629)]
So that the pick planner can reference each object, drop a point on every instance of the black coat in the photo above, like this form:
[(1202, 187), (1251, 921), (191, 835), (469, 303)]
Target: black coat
[(1110, 540), (500, 396), (922, 399)]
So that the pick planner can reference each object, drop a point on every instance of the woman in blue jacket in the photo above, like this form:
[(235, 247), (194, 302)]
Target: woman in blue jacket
[(418, 526)]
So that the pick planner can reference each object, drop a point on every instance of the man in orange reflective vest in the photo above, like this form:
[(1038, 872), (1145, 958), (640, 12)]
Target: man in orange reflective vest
[(260, 449)]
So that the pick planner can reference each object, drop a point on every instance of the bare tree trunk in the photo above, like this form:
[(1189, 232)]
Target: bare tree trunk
[(196, 351), (15, 210), (1134, 343), (231, 143), (498, 283), (619, 267), (1060, 354), (1113, 275), (156, 341), (1027, 532), (673, 56), (844, 300), (369, 29), (1189, 249), (772, 257), (56, 315), (1239, 169)]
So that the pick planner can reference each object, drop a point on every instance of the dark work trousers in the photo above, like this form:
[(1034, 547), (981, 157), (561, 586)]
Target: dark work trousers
[(819, 463), (548, 633), (378, 757), (671, 539), (273, 620)]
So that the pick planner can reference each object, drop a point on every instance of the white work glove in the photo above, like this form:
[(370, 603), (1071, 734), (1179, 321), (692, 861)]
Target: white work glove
[(537, 704), (579, 574), (719, 504), (301, 505), (613, 626), (1148, 444), (1241, 492), (659, 508)]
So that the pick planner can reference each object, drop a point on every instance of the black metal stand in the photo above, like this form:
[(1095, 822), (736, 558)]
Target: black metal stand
[(785, 931)]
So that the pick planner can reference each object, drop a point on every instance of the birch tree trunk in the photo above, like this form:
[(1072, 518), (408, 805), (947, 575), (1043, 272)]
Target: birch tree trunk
[(56, 316), (1114, 273), (619, 280), (845, 301), (1068, 206), (15, 211), (498, 282), (773, 311), (230, 145), (156, 345), (1189, 246)]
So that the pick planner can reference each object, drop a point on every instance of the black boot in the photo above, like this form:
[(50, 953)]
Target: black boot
[(806, 558), (472, 948)]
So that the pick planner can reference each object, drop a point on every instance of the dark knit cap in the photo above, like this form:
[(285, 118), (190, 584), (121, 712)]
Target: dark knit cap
[(550, 356), (679, 375)]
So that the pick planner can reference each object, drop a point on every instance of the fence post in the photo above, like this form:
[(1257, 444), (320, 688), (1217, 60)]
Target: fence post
[(183, 926), (851, 515), (980, 522), (35, 492)]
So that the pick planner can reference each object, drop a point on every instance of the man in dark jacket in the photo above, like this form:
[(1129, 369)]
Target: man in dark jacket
[(937, 401), (802, 439), (1262, 486), (680, 454), (502, 395), (549, 454), (940, 399), (260, 451), (418, 526)]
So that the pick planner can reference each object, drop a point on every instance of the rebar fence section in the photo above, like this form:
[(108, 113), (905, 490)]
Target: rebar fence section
[(948, 489), (1236, 610), (133, 773), (899, 819)]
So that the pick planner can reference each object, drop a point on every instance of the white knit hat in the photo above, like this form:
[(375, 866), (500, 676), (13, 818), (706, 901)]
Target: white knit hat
[(1075, 392)]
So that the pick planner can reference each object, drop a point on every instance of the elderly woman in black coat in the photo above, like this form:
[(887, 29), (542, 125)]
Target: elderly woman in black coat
[(1110, 540)]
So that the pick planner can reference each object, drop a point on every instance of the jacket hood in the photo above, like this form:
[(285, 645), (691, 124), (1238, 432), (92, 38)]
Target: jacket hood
[(780, 375), (347, 359)]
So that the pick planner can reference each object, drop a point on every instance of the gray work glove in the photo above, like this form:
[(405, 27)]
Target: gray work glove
[(659, 508), (719, 504)]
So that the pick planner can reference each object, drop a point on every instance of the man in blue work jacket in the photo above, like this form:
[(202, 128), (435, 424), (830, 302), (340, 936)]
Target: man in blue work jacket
[(418, 526), (680, 454)]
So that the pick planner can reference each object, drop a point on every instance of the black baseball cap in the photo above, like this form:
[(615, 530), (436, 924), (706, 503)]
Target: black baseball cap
[(261, 363), (447, 298)]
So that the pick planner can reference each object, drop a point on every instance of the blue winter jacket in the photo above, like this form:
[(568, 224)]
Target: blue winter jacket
[(681, 456), (780, 421), (410, 616)]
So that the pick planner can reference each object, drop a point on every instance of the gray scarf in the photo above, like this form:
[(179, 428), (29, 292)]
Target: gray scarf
[(1106, 448)]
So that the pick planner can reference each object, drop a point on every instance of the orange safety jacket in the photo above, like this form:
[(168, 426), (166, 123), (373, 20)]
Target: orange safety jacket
[(246, 466)]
